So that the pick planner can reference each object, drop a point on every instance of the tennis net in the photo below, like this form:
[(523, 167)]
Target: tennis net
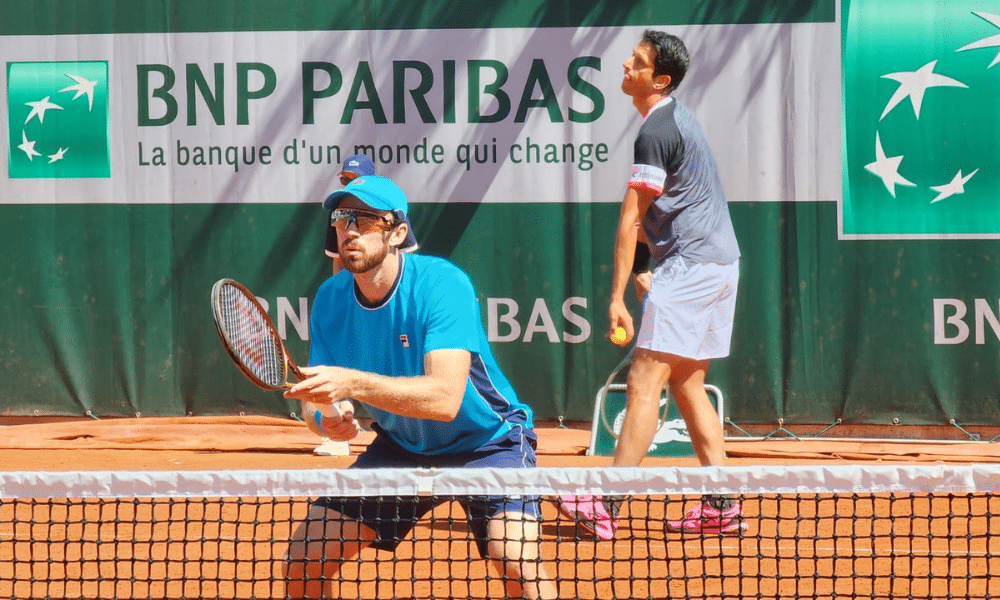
[(812, 531)]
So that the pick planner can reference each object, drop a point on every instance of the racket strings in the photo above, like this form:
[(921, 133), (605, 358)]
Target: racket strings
[(251, 338)]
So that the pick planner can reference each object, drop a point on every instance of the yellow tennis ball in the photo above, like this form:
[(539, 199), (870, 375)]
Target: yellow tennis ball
[(618, 337)]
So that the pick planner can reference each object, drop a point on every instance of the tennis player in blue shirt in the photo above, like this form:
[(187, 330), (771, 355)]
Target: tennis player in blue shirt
[(402, 334)]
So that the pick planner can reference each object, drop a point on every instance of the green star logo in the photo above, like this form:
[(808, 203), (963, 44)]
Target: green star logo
[(921, 120), (57, 116)]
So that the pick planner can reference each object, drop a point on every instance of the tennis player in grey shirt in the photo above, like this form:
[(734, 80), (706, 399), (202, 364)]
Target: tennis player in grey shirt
[(675, 205)]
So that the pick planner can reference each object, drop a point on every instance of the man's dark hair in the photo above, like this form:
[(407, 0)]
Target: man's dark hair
[(671, 56)]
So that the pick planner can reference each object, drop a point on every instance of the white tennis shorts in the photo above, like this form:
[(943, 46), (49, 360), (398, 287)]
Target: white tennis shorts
[(689, 309)]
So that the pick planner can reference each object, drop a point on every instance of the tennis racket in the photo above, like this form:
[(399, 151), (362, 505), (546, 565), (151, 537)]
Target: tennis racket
[(250, 337)]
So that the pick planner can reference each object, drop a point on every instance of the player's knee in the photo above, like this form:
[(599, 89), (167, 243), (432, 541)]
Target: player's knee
[(514, 564), (647, 378), (643, 391), (497, 550)]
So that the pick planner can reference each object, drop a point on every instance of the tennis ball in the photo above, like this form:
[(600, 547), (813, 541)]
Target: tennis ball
[(618, 337)]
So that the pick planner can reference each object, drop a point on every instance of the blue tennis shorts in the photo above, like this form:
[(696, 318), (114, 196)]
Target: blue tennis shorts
[(393, 518)]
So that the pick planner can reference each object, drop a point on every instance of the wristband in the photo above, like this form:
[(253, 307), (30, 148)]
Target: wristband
[(318, 417), (640, 264)]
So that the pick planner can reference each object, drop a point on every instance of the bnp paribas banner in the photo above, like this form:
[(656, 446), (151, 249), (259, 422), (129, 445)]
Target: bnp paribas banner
[(152, 151), (484, 115)]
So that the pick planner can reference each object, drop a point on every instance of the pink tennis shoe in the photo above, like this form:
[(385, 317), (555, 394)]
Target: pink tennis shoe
[(706, 519), (592, 513)]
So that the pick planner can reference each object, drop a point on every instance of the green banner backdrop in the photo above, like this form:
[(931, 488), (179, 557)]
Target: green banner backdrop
[(108, 274)]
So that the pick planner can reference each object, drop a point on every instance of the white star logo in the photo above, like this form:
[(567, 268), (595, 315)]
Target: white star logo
[(39, 108), (955, 186), (28, 147), (83, 86), (887, 168), (913, 84), (58, 155), (990, 42)]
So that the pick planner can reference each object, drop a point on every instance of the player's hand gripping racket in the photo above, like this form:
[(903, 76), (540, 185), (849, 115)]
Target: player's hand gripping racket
[(250, 337)]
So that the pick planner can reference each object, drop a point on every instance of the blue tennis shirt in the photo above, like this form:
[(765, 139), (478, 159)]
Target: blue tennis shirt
[(431, 306)]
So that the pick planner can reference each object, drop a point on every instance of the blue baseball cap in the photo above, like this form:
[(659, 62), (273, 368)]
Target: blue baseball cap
[(359, 164), (380, 193)]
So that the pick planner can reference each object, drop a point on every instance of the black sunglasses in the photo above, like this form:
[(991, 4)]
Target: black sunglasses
[(363, 220)]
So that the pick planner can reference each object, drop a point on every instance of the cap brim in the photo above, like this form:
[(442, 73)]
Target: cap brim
[(334, 199)]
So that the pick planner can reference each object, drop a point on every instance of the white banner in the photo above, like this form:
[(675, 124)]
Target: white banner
[(497, 115)]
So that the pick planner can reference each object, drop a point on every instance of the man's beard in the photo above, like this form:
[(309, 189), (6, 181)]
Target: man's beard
[(362, 263)]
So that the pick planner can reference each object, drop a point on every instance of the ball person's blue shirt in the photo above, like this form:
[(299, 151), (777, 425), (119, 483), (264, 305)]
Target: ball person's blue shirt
[(431, 306)]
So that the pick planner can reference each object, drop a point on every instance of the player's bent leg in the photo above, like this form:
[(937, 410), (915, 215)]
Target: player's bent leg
[(715, 514), (687, 386), (646, 378), (316, 550), (514, 545)]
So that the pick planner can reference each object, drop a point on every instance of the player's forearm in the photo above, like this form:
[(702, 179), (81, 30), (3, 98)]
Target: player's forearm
[(436, 395), (422, 397), (624, 253), (627, 234)]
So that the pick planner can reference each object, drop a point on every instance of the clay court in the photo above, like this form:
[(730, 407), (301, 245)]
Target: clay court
[(884, 546)]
